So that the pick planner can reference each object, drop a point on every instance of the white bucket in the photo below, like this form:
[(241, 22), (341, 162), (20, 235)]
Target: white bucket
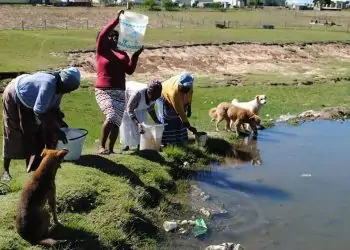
[(76, 138), (132, 29), (152, 138), (201, 138)]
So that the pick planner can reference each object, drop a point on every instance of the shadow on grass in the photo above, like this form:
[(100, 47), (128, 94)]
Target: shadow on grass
[(75, 239), (175, 162), (152, 196)]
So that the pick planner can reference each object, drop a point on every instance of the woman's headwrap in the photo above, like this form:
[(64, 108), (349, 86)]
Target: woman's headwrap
[(70, 79), (186, 80), (155, 88)]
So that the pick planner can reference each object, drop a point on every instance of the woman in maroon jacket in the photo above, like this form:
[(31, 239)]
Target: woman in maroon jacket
[(112, 65)]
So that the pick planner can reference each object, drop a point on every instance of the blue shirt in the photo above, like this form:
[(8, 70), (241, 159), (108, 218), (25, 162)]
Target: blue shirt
[(38, 92)]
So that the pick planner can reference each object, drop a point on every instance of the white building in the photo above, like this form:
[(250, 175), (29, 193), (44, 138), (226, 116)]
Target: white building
[(231, 3)]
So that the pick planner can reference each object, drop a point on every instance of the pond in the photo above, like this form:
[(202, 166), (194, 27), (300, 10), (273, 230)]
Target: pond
[(289, 190)]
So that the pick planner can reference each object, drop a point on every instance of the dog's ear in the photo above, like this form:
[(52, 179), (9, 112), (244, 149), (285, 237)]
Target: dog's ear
[(44, 152), (257, 97), (62, 153)]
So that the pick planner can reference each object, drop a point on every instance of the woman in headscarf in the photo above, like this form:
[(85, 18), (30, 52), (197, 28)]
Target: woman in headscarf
[(32, 117), (174, 107), (112, 65), (140, 100)]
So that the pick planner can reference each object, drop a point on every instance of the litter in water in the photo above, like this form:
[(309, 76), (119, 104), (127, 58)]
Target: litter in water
[(225, 246), (305, 175), (200, 228), (205, 212)]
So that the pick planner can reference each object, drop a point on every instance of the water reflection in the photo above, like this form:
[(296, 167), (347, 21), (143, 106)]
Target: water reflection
[(245, 152)]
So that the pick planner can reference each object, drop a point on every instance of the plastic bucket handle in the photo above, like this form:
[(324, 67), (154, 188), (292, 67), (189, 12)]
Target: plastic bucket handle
[(80, 136)]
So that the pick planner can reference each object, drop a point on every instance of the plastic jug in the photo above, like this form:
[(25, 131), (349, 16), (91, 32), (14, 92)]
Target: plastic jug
[(132, 29)]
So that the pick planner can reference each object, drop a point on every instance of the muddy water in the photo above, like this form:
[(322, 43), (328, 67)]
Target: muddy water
[(295, 196)]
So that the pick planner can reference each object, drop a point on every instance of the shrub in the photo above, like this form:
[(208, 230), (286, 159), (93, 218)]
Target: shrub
[(216, 5), (150, 4), (168, 5)]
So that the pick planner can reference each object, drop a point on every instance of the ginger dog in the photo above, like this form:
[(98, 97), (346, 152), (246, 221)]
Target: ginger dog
[(220, 113), (239, 116), (253, 106), (32, 221)]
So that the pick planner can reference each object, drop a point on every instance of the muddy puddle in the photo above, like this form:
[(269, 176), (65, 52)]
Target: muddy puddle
[(287, 190)]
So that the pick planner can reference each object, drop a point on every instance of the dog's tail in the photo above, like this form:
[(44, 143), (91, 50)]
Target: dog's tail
[(234, 101), (50, 242), (212, 114)]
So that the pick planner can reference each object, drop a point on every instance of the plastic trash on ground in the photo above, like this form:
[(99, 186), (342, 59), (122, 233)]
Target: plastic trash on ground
[(284, 118), (205, 212), (169, 225), (200, 228), (225, 246)]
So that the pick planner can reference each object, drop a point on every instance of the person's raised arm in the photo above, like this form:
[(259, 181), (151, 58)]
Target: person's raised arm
[(131, 66), (103, 34)]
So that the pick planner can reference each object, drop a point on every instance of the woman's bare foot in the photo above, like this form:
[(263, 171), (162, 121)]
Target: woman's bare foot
[(103, 151)]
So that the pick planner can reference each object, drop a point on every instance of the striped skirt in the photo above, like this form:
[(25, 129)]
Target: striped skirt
[(112, 104), (174, 131)]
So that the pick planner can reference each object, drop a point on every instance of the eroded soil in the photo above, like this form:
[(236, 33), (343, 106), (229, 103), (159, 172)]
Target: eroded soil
[(315, 61)]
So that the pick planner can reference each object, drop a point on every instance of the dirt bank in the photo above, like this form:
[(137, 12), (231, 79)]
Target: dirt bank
[(226, 61), (329, 113)]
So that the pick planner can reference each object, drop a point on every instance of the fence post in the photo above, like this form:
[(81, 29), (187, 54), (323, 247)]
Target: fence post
[(22, 25), (44, 24), (87, 24), (66, 25), (236, 24)]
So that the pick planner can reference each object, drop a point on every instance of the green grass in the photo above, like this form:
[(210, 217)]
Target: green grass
[(100, 198), (32, 50)]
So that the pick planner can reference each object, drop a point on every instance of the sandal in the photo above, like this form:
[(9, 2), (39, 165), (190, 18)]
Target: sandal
[(103, 151), (6, 177)]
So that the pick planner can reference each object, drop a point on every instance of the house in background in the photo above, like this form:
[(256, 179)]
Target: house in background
[(231, 3), (49, 2)]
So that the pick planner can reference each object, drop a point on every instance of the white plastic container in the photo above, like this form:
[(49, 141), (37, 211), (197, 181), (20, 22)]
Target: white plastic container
[(76, 138), (201, 138), (132, 29), (169, 225), (152, 138)]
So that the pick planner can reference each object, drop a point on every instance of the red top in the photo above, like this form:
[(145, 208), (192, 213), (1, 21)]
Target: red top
[(112, 64)]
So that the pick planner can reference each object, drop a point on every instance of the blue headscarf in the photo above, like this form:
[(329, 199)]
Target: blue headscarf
[(70, 78), (186, 80)]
